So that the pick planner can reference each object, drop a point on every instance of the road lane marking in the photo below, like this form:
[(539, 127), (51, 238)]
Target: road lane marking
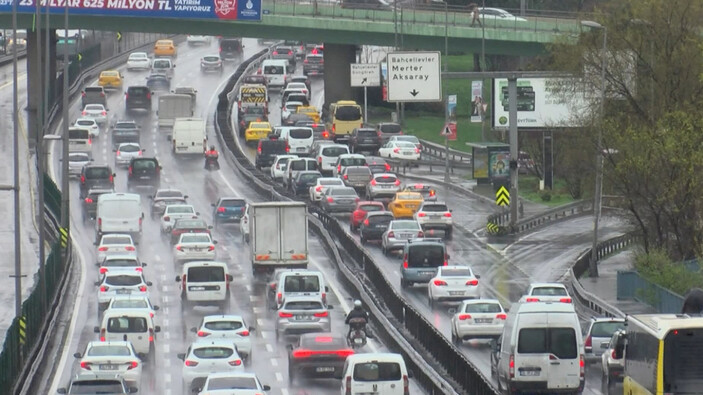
[(167, 377), (20, 76), (274, 363), (269, 347), (279, 376), (167, 348), (259, 322)]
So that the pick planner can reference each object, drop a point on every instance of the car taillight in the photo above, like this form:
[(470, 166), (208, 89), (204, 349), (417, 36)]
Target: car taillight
[(348, 386), (406, 385), (191, 363), (464, 317), (274, 53), (440, 282), (179, 247), (287, 148), (211, 248), (101, 249), (103, 270), (142, 288), (85, 113), (396, 150), (118, 153), (612, 354), (104, 288), (104, 112), (279, 298), (85, 365), (448, 215), (236, 362), (167, 219), (532, 300), (258, 149), (565, 300), (111, 178), (129, 170), (366, 222), (100, 223), (318, 188), (203, 334), (511, 366), (473, 282), (220, 209), (90, 141), (391, 234), (301, 353), (582, 367), (417, 150), (243, 333), (346, 177), (421, 215), (501, 316), (588, 342), (373, 182), (334, 128), (132, 365), (325, 135), (83, 94), (397, 183), (285, 315), (323, 314), (82, 179), (330, 200)]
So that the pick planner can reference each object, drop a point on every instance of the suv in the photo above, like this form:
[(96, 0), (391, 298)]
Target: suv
[(90, 202), (435, 215), (287, 53), (93, 95), (364, 139), (314, 64), (96, 176), (387, 129), (228, 209), (144, 171), (231, 48), (85, 383), (267, 150), (205, 283), (420, 261), (598, 335), (138, 97)]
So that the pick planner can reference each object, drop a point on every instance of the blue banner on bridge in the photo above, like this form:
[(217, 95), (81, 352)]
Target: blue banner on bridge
[(242, 10)]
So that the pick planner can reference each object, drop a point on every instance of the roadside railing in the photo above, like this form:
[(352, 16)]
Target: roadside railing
[(428, 350), (631, 285)]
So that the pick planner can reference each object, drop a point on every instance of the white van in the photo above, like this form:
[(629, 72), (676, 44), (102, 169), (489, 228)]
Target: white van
[(297, 165), (162, 66), (299, 138), (299, 283), (119, 213), (276, 72), (541, 348), (79, 140), (375, 373), (205, 283), (327, 156), (133, 325), (189, 136)]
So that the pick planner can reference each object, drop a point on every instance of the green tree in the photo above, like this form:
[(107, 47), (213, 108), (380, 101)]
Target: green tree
[(653, 113)]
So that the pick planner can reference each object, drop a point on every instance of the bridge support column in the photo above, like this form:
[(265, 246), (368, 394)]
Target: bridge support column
[(338, 57), (36, 79)]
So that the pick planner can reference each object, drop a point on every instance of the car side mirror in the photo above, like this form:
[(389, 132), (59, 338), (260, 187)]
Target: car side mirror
[(95, 242), (289, 346), (114, 175), (156, 308), (330, 307), (494, 345), (194, 330), (477, 275), (185, 196), (213, 205), (213, 241), (506, 309), (114, 150), (230, 277), (133, 390), (148, 283), (174, 66), (152, 92), (143, 263), (142, 215), (210, 227), (77, 355), (97, 283), (182, 356), (252, 328), (327, 289), (266, 387), (96, 329), (157, 329), (178, 279), (143, 149), (61, 391), (97, 264)]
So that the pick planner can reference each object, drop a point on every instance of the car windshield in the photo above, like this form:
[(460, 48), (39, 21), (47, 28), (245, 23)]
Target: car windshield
[(606, 329), (125, 125), (348, 113), (377, 371), (310, 177), (206, 274), (302, 284), (482, 308), (120, 262), (435, 208), (292, 106), (409, 196), (92, 387), (353, 161), (457, 272), (144, 164), (97, 172), (405, 225), (161, 64), (138, 56), (129, 148), (116, 240), (78, 158), (409, 139), (332, 181), (85, 122), (390, 128), (190, 224), (232, 383), (558, 341), (404, 144), (386, 179), (109, 74), (201, 238), (334, 151), (549, 291), (213, 352), (380, 219), (211, 58), (359, 171), (129, 304), (167, 194), (273, 69), (371, 207), (223, 325), (232, 203), (342, 192), (123, 280), (126, 324), (303, 305), (426, 256), (302, 133), (180, 210), (108, 350)]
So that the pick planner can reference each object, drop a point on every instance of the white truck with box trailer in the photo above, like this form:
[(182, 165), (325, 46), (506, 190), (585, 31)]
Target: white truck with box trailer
[(278, 233), (172, 106)]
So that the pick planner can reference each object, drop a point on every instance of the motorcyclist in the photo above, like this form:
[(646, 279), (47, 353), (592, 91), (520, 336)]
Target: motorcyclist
[(212, 155), (357, 312)]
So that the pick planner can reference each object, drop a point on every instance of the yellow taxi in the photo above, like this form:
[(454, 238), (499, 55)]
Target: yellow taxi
[(110, 79), (165, 48), (310, 111), (405, 204), (257, 131)]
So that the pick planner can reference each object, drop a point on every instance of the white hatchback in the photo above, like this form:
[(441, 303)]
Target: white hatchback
[(194, 246), (120, 282), (231, 327), (174, 212), (125, 152), (478, 319), (453, 283), (279, 166), (89, 124), (208, 356), (97, 112), (115, 243), (321, 186)]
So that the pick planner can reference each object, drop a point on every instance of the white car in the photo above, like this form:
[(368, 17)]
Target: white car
[(138, 60), (237, 383), (399, 150), (298, 86), (279, 166), (453, 283), (230, 327), (90, 124), (321, 185), (98, 112), (198, 40), (289, 108), (174, 212), (547, 292), (116, 244), (209, 356), (133, 302), (244, 225), (194, 247), (120, 263), (76, 161), (408, 139), (490, 14), (113, 357), (478, 319), (435, 215), (120, 282), (125, 152)]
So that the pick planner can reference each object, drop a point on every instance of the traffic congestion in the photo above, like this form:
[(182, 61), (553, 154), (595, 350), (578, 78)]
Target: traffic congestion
[(195, 284)]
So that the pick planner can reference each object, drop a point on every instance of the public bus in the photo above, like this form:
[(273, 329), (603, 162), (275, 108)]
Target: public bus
[(663, 355)]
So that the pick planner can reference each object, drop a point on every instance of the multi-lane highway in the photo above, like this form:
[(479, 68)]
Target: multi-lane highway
[(203, 188)]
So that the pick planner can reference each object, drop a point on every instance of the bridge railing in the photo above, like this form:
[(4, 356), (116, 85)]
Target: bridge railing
[(409, 14)]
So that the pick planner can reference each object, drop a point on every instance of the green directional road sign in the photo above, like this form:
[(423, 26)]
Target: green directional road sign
[(502, 196)]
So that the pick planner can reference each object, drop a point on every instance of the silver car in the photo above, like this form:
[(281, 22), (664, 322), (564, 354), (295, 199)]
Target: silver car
[(597, 338), (302, 314), (76, 161), (125, 152), (398, 233), (339, 200), (382, 185)]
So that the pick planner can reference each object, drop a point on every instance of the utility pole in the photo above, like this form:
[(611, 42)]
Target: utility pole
[(39, 150), (16, 170), (65, 202)]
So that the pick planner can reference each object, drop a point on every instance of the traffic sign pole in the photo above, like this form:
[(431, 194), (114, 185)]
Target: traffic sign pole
[(366, 108)]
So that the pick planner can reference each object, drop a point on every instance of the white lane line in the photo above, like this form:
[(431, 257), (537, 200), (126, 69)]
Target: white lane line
[(166, 335), (164, 322), (265, 334), (269, 347), (167, 348), (157, 258), (279, 376), (165, 289), (72, 326), (167, 362), (274, 363), (259, 322), (284, 391), (163, 277), (167, 377), (165, 298)]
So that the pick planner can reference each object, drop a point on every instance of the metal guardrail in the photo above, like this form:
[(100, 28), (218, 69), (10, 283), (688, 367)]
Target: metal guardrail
[(7, 59), (387, 303), (631, 285)]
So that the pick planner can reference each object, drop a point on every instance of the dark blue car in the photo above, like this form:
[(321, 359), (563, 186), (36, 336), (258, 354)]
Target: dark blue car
[(228, 209)]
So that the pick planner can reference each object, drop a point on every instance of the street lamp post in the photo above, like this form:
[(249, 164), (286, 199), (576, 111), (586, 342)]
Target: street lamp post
[(598, 196), (64, 151), (16, 162)]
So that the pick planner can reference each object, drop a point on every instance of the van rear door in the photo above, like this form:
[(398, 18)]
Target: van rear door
[(531, 356), (377, 377), (564, 368), (129, 327)]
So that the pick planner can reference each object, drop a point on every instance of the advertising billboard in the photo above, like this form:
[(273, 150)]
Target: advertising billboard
[(243, 10), (541, 103)]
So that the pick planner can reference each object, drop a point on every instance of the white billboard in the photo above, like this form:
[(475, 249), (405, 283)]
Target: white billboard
[(541, 103)]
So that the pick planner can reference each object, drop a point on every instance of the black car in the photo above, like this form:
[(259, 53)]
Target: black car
[(374, 225), (251, 114), (158, 82), (96, 176), (268, 149), (303, 181), (124, 132), (286, 53), (320, 355), (314, 64), (90, 202), (144, 172), (231, 48), (138, 97), (364, 139)]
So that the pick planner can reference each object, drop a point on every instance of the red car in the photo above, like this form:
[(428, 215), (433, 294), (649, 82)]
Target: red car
[(360, 211)]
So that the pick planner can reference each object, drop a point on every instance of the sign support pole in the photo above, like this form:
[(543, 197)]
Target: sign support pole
[(446, 141), (512, 108), (366, 108)]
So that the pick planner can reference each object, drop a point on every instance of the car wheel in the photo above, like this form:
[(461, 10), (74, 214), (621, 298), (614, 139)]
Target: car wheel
[(385, 250), (361, 237), (448, 233), (291, 374), (278, 336), (403, 283), (455, 338)]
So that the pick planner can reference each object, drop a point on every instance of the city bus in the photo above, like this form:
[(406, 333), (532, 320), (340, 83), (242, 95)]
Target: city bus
[(663, 355)]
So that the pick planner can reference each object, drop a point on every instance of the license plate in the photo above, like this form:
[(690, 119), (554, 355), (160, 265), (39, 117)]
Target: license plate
[(427, 273), (407, 152), (358, 340), (529, 373), (108, 367), (144, 177), (604, 345), (181, 148), (456, 293), (483, 320), (300, 149), (124, 291), (323, 369), (197, 288), (303, 318)]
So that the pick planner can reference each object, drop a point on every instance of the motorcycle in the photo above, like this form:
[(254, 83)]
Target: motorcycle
[(211, 163), (357, 337)]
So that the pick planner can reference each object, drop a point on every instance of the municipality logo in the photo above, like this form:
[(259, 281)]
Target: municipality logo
[(249, 5), (503, 120)]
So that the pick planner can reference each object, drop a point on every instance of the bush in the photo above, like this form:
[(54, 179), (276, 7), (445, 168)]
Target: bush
[(545, 195), (658, 268)]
